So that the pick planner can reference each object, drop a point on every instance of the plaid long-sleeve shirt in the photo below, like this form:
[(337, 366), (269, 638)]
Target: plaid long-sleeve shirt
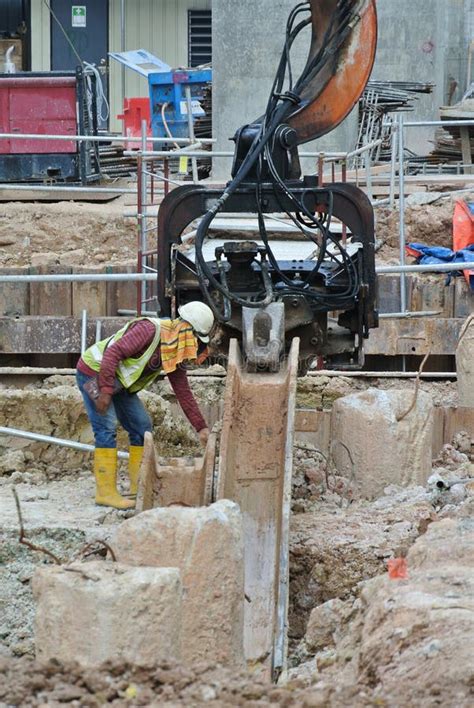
[(134, 343)]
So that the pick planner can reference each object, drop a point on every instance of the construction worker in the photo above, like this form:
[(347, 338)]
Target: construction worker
[(112, 371)]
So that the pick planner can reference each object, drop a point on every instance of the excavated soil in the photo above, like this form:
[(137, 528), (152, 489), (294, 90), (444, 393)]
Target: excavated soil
[(77, 233), (340, 545), (429, 224), (66, 233)]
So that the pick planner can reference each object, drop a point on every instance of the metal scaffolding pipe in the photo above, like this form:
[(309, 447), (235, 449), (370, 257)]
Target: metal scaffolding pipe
[(84, 331), (63, 187), (439, 123), (407, 315), (134, 277), (432, 268), (37, 437), (77, 278), (101, 138), (401, 208)]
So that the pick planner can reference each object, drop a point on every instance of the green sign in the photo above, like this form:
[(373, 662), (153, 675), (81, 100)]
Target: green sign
[(79, 16)]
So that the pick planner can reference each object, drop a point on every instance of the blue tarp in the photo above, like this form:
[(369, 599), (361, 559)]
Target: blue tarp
[(427, 255)]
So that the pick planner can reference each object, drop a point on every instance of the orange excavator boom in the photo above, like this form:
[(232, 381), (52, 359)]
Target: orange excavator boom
[(340, 61)]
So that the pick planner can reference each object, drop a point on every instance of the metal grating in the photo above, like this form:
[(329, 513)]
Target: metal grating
[(199, 37)]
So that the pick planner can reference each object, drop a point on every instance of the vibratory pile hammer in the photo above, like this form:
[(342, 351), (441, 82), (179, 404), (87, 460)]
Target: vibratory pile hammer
[(258, 298), (283, 312)]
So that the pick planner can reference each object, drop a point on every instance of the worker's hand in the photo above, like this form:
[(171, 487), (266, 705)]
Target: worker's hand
[(103, 402), (204, 436)]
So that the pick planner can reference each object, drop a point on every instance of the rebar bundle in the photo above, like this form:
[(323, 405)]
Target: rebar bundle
[(379, 99)]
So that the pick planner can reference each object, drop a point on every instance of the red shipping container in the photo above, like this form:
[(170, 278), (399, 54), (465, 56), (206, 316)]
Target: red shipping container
[(43, 105)]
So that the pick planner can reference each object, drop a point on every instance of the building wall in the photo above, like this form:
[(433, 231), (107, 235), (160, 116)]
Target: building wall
[(423, 40), (160, 26)]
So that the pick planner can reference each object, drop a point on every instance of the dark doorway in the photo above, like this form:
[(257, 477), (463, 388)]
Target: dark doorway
[(86, 24), (15, 31)]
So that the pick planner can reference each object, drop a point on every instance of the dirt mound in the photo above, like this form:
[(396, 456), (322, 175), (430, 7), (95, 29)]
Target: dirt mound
[(24, 683), (430, 224), (406, 640), (69, 233)]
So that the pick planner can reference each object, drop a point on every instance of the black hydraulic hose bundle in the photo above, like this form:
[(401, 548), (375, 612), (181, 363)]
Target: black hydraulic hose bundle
[(279, 107)]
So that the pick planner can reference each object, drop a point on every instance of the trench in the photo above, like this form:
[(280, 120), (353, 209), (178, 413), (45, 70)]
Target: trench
[(337, 540)]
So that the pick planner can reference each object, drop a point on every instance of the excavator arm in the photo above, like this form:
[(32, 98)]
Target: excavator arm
[(346, 32)]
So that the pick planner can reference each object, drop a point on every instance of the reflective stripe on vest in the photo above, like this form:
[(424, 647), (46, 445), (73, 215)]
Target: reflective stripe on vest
[(129, 370)]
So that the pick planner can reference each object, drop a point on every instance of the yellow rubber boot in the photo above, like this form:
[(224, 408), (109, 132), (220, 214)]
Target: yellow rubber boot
[(134, 462), (105, 472)]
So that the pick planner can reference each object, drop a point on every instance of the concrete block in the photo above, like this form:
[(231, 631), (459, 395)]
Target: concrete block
[(465, 364), (374, 447), (95, 612), (206, 545)]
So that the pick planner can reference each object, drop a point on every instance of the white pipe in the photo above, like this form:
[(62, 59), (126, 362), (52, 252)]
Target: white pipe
[(102, 138), (393, 165), (439, 123), (433, 268), (9, 66), (134, 277), (37, 437), (384, 374)]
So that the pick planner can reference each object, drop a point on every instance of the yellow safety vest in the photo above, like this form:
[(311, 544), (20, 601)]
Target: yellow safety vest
[(130, 370)]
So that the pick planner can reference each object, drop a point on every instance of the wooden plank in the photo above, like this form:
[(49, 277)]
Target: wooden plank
[(51, 299), (430, 293), (463, 298), (121, 295), (50, 335), (388, 292), (414, 337), (14, 297), (89, 296)]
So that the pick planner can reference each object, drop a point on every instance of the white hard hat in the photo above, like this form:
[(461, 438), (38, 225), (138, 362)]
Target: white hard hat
[(199, 316)]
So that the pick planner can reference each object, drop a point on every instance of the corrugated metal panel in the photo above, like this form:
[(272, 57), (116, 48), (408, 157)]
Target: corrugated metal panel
[(161, 27)]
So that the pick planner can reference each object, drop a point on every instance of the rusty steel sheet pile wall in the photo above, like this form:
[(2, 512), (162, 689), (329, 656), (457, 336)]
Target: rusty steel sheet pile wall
[(255, 468)]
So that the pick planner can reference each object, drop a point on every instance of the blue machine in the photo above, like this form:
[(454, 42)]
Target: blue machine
[(168, 101), (167, 88)]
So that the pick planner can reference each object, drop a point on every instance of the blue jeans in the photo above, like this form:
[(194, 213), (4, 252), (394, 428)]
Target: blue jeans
[(126, 408)]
